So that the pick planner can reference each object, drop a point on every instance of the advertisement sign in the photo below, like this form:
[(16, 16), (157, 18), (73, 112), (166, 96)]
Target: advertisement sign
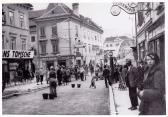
[(17, 54)]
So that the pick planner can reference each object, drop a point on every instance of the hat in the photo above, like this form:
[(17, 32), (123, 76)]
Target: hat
[(51, 67)]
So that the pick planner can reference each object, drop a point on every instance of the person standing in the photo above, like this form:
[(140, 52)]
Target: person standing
[(53, 82), (59, 76), (132, 80), (106, 75), (152, 91), (41, 75)]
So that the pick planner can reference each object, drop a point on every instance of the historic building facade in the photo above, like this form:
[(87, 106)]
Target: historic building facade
[(121, 47), (15, 38), (151, 29), (63, 36)]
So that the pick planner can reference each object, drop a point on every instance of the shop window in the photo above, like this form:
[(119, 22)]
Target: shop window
[(157, 47), (151, 46), (33, 39), (54, 31), (21, 17), (13, 43), (42, 32), (3, 17), (3, 42), (11, 17), (23, 44)]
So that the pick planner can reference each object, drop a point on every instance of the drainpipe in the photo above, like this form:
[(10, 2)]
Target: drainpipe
[(69, 33)]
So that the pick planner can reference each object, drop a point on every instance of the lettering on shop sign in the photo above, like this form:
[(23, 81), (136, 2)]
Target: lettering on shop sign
[(17, 54)]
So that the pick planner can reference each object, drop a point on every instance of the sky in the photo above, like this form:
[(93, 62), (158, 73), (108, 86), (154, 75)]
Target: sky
[(121, 25)]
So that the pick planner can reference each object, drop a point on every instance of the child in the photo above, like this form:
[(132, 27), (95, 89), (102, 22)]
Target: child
[(93, 84)]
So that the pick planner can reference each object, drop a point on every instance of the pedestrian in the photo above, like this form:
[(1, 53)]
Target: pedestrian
[(82, 73), (97, 71), (37, 76), (132, 80), (59, 76), (53, 82), (47, 75), (41, 75), (152, 92), (106, 75), (91, 70), (93, 82), (141, 69)]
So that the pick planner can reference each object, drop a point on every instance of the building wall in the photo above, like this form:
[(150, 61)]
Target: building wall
[(152, 28), (15, 30)]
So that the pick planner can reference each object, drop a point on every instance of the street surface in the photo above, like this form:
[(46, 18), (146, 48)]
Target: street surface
[(70, 101)]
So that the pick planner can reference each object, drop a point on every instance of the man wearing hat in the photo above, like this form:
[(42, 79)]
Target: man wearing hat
[(132, 80)]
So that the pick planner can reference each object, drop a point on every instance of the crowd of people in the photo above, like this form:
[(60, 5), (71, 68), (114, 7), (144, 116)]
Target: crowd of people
[(146, 82)]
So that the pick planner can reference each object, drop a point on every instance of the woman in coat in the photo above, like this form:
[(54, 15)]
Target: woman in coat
[(152, 91)]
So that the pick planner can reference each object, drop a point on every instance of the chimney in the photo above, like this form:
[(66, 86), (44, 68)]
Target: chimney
[(75, 7)]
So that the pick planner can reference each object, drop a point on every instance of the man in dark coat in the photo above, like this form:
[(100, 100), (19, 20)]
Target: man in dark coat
[(106, 75), (132, 80)]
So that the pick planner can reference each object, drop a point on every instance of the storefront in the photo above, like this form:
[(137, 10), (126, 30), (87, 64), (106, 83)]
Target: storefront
[(156, 35), (14, 60)]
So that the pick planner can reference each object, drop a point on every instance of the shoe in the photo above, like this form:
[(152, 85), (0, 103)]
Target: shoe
[(130, 108), (134, 108)]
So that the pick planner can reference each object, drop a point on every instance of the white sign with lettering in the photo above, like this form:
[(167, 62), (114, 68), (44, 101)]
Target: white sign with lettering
[(17, 54)]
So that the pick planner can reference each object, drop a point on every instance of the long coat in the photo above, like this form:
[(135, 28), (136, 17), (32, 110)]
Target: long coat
[(132, 77), (152, 100)]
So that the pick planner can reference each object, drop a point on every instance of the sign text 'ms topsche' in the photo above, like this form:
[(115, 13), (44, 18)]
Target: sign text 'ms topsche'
[(17, 54)]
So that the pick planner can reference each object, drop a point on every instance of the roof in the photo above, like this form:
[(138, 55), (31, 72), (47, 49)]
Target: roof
[(60, 9), (35, 14), (120, 37)]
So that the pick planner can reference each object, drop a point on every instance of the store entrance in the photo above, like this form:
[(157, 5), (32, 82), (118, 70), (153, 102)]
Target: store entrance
[(49, 64), (62, 62)]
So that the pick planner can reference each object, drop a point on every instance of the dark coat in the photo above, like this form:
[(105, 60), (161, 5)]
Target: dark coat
[(132, 77), (152, 100)]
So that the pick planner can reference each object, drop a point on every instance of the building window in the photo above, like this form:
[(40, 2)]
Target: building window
[(21, 20), (106, 45), (55, 46), (3, 17), (11, 17), (3, 42), (13, 43), (43, 47), (95, 38), (76, 28), (111, 45), (23, 44), (54, 31), (33, 39), (42, 32)]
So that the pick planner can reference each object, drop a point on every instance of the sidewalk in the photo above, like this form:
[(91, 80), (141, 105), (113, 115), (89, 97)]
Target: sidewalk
[(121, 101), (23, 89)]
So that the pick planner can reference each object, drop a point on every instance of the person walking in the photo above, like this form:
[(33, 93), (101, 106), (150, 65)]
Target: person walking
[(37, 76), (132, 80), (59, 76), (41, 75), (106, 75), (53, 82), (152, 91)]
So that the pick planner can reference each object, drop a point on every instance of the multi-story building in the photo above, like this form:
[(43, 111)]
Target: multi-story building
[(15, 37), (121, 47), (64, 36), (151, 29)]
